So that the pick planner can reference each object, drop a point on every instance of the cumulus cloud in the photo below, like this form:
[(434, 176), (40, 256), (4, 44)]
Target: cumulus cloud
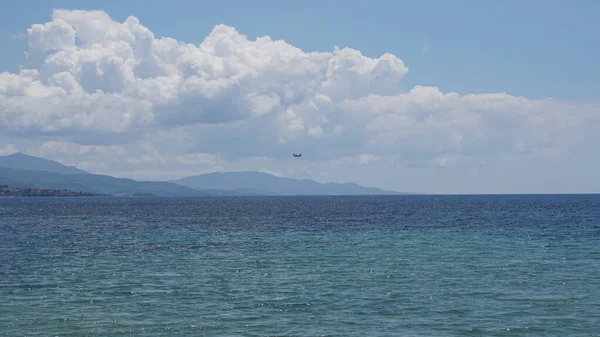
[(88, 73), (95, 90)]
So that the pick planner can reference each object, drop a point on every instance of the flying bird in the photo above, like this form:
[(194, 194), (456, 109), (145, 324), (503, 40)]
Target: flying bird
[(298, 155)]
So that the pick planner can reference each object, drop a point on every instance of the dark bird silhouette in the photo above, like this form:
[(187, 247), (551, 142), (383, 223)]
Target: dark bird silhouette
[(298, 155)]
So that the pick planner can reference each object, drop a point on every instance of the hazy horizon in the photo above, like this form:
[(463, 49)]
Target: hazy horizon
[(485, 99)]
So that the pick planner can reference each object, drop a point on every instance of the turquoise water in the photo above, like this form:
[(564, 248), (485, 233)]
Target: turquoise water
[(303, 266)]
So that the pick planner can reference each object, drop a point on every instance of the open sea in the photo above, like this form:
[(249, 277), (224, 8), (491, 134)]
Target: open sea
[(301, 266)]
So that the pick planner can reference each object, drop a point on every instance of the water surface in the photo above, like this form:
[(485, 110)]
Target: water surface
[(301, 266)]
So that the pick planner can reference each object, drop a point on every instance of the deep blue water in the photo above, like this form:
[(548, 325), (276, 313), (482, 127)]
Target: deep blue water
[(301, 266)]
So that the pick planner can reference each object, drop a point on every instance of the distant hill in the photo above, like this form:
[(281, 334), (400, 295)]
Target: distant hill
[(259, 183), (20, 161), (20, 170), (92, 183)]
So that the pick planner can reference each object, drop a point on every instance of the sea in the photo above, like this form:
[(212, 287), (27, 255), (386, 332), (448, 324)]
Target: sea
[(488, 265)]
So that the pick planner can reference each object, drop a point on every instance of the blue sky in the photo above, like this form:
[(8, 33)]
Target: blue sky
[(473, 97), (528, 48)]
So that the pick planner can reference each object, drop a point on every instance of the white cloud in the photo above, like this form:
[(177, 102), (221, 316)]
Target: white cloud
[(114, 97), (361, 159), (92, 166), (7, 149), (269, 171), (55, 148), (199, 159), (315, 131), (144, 159), (88, 73)]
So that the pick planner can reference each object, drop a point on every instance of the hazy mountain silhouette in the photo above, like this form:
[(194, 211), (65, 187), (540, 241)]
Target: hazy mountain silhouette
[(92, 183), (20, 161), (268, 184), (20, 170)]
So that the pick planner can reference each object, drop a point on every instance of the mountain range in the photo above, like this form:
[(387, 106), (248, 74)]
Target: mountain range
[(21, 170), (267, 184)]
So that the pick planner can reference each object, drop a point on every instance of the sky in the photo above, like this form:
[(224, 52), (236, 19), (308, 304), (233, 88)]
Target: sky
[(427, 97)]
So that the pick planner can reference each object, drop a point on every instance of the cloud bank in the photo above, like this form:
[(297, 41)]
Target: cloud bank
[(114, 98)]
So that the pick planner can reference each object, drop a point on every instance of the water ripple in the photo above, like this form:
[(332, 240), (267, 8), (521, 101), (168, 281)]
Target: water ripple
[(306, 266)]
